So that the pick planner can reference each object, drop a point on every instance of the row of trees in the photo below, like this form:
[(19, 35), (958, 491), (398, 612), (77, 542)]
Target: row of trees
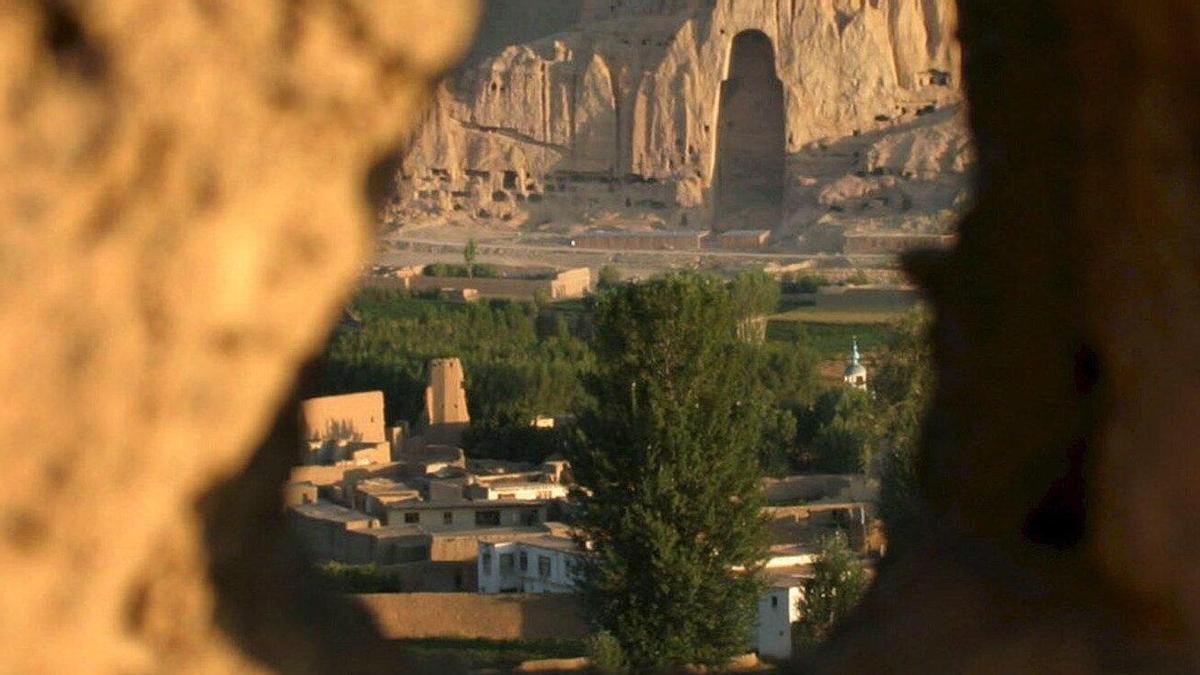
[(524, 360)]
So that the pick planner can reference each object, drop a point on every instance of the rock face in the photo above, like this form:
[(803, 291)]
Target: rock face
[(805, 116), (184, 198)]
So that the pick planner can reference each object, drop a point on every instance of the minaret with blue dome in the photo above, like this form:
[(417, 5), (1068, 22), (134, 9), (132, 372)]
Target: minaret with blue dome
[(856, 373)]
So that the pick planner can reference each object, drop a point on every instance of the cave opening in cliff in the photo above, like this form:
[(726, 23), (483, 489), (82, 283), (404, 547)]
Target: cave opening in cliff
[(751, 142)]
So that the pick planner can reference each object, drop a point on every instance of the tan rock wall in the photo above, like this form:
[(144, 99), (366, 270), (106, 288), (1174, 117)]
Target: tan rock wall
[(185, 198), (633, 94)]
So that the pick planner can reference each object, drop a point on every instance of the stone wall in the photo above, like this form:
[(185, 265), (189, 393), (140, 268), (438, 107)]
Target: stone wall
[(473, 615), (352, 417), (894, 244)]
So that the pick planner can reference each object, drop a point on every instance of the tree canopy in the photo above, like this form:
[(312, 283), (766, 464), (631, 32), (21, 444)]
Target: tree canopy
[(669, 459), (838, 584)]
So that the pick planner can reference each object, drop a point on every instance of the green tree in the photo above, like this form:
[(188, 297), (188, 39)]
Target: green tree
[(605, 654), (837, 432), (470, 253), (668, 458), (755, 295), (903, 384), (836, 588), (608, 277)]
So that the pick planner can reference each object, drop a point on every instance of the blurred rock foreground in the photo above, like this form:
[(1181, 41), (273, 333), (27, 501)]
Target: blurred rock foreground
[(185, 190)]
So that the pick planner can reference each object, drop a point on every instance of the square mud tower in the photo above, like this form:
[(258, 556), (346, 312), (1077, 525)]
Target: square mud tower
[(446, 415)]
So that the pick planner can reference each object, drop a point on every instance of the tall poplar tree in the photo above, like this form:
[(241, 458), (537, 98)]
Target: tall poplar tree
[(668, 457)]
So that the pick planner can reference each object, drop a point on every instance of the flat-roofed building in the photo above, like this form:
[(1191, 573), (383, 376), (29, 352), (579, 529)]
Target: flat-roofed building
[(388, 545), (322, 528), (374, 496), (542, 563), (296, 493), (429, 460), (463, 514), (519, 489)]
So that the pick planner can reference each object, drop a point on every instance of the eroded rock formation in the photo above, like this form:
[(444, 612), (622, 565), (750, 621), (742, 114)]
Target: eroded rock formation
[(806, 116), (184, 192)]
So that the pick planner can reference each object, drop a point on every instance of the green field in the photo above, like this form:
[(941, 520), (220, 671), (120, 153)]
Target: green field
[(502, 655), (840, 316), (831, 341)]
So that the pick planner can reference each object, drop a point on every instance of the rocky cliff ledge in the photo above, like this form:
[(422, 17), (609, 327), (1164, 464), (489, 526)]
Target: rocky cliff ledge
[(814, 118)]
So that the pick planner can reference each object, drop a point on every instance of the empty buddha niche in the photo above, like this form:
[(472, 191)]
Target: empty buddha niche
[(751, 143)]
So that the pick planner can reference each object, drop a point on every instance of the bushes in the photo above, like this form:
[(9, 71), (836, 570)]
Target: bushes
[(358, 579), (606, 655), (859, 278), (806, 283), (838, 584), (446, 270), (609, 277)]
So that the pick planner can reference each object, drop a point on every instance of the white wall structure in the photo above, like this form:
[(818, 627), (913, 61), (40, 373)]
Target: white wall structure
[(544, 564), (778, 609), (520, 491)]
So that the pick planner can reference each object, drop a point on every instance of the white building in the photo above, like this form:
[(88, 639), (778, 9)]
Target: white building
[(519, 490), (777, 611), (543, 563), (549, 563)]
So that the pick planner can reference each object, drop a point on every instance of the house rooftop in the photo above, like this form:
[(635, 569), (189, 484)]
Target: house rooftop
[(789, 577), (395, 531), (384, 486), (473, 503), (495, 534), (322, 510)]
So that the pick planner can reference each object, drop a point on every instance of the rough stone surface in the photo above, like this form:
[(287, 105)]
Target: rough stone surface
[(1060, 457), (185, 191), (617, 117)]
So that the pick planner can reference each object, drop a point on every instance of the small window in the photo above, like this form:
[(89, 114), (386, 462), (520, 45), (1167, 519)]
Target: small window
[(543, 566), (506, 563), (487, 517), (774, 601), (524, 561), (412, 517), (486, 558), (448, 518)]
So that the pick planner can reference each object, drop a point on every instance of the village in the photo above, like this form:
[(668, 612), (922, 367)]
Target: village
[(449, 531)]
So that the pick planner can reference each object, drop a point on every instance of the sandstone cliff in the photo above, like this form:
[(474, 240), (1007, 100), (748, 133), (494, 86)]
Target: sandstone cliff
[(663, 112)]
